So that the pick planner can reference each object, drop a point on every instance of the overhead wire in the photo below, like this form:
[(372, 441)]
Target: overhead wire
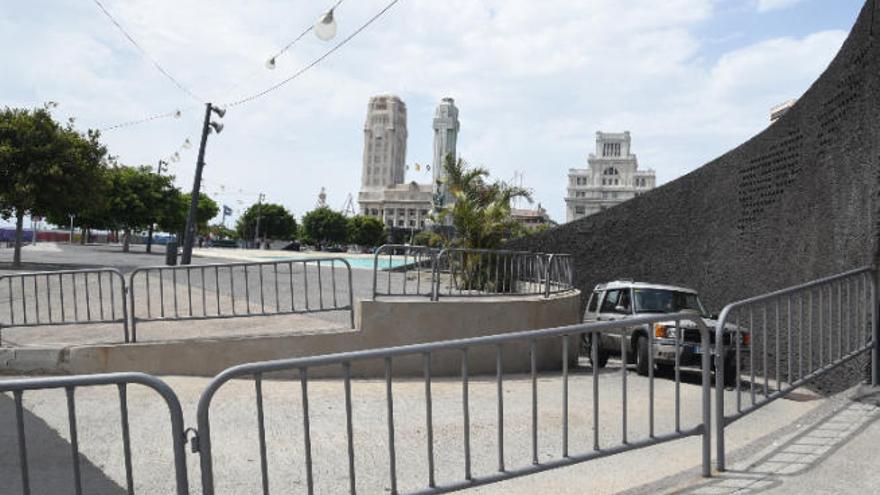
[(314, 62), (146, 55)]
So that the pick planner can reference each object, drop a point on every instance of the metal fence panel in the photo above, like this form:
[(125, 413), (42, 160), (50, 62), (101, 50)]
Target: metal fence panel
[(69, 384), (238, 290), (64, 297), (797, 334), (408, 271), (497, 345)]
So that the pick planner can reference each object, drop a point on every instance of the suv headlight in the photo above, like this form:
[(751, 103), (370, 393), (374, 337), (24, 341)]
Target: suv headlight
[(662, 331)]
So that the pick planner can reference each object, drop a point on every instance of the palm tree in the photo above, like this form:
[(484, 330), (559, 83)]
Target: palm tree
[(481, 219)]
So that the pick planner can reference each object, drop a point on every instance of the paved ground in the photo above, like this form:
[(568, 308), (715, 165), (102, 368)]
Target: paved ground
[(237, 458)]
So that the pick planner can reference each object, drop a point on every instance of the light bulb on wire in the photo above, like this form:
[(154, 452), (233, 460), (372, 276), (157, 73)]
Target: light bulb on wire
[(325, 28)]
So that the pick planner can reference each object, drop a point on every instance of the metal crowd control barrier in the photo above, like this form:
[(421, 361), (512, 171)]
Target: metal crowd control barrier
[(256, 371), (64, 297), (460, 272), (238, 290), (409, 271), (70, 384), (797, 334)]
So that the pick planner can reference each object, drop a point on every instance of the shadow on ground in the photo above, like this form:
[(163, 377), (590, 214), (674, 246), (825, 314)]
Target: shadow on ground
[(49, 459)]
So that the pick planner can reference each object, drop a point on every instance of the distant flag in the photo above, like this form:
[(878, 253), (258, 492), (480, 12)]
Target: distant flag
[(427, 168), (418, 167), (227, 210)]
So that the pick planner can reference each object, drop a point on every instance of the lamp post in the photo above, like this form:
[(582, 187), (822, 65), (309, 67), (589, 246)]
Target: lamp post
[(259, 217), (189, 234), (163, 165)]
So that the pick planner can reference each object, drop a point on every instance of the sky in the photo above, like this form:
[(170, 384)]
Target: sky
[(533, 81)]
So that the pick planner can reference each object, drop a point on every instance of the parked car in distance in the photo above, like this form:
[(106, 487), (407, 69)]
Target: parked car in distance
[(623, 299)]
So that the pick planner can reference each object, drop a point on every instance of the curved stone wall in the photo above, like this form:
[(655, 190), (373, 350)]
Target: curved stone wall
[(794, 203)]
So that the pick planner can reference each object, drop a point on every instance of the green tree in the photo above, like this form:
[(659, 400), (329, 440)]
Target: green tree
[(138, 197), (175, 210), (366, 231), (323, 227), (276, 222), (46, 169), (480, 211)]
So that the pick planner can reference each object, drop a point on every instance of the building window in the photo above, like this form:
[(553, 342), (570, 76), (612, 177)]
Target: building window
[(610, 171), (579, 210), (422, 224), (423, 212), (412, 223), (611, 149), (400, 223)]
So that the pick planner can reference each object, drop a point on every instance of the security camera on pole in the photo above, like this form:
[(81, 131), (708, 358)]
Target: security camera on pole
[(189, 234)]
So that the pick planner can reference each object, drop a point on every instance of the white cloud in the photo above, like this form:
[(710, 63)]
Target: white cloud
[(769, 5), (533, 81)]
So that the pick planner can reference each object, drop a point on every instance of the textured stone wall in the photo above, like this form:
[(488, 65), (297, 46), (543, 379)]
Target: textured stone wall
[(796, 202)]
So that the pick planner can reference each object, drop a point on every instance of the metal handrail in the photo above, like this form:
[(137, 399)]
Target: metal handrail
[(852, 340), (529, 338)]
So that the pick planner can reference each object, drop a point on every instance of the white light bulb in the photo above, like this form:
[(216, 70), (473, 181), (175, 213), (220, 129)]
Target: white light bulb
[(270, 64), (325, 28)]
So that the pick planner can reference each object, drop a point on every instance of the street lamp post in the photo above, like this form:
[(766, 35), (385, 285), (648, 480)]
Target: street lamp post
[(159, 170), (189, 233), (259, 217)]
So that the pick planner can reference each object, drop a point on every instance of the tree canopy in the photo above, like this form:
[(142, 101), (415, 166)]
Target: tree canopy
[(276, 222), (480, 211), (366, 231), (324, 227), (46, 169)]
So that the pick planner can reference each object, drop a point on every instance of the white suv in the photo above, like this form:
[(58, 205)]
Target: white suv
[(622, 299)]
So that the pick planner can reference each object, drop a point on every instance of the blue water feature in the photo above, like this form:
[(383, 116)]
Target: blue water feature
[(365, 263)]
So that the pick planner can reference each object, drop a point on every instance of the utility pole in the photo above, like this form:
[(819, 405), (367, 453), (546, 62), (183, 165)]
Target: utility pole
[(159, 170), (189, 233), (72, 216), (259, 216)]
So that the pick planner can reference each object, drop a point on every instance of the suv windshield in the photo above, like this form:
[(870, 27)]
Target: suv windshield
[(667, 301)]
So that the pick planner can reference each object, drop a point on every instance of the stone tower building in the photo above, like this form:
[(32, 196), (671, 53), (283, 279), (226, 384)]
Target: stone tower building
[(384, 143), (446, 128)]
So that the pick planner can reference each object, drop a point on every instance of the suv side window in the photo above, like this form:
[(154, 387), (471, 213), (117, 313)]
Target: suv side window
[(610, 301), (594, 302), (624, 303)]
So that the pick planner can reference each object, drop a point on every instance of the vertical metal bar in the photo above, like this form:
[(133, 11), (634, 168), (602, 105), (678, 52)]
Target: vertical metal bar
[(262, 296), (810, 332), (189, 291), (623, 365), (277, 296), (174, 291), (679, 335), (705, 342), (12, 305), (499, 378), (830, 322), (306, 284), (429, 418), (739, 340), (88, 298), (60, 294), (389, 400), (466, 413), (75, 299), (565, 395), (112, 288), (320, 287), (232, 287), (74, 442), (22, 443), (776, 338), (217, 287), (534, 361), (840, 320), (405, 268), (290, 283), (764, 370), (800, 335), (875, 335), (37, 299), (261, 431), (161, 292), (650, 382), (349, 430), (307, 434), (204, 293), (49, 297), (147, 283), (849, 311), (247, 288), (594, 354), (388, 268), (126, 437), (333, 283), (821, 335), (752, 354), (789, 347)]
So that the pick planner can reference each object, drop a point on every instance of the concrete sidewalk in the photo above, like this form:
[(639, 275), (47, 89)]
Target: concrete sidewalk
[(831, 450)]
